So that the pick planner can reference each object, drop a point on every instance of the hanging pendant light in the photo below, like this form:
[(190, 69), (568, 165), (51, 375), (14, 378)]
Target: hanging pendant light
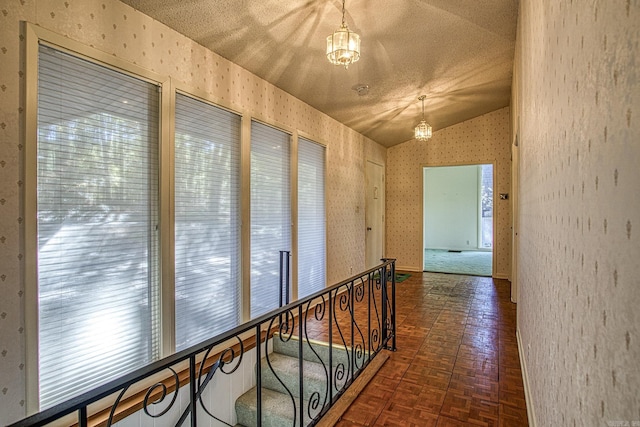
[(343, 46), (422, 132)]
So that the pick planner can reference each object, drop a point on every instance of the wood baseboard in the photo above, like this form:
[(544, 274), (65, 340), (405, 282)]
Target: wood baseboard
[(525, 380)]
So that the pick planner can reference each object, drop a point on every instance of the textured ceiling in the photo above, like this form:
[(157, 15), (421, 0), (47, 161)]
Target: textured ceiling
[(459, 53)]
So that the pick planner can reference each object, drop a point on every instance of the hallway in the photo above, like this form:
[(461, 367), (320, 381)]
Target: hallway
[(457, 362)]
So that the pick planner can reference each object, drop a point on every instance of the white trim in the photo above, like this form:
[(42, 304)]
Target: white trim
[(531, 416), (293, 197), (245, 215), (30, 224), (166, 221)]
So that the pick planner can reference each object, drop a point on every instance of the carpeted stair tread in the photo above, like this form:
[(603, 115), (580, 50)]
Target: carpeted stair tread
[(309, 350), (277, 409), (287, 370)]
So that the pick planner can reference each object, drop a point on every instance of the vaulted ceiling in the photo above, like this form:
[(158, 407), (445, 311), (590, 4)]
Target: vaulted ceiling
[(459, 53)]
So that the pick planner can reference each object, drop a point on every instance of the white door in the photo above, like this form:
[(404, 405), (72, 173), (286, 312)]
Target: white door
[(374, 214)]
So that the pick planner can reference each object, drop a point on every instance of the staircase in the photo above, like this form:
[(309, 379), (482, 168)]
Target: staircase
[(281, 388)]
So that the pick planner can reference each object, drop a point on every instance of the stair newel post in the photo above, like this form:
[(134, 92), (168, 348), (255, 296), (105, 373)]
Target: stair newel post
[(353, 330), (330, 348), (300, 365), (192, 389), (383, 288), (258, 377), (284, 280), (369, 293), (393, 306)]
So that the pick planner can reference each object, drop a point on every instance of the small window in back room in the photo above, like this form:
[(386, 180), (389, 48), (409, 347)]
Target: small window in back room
[(486, 206)]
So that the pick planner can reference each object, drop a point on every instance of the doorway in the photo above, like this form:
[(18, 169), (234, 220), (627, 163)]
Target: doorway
[(374, 214), (458, 219)]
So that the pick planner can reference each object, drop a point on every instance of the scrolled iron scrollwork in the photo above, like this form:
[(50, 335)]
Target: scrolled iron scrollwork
[(163, 393), (319, 315), (226, 357), (287, 327), (375, 336), (359, 355), (375, 285), (319, 310), (314, 404), (339, 374), (288, 334), (343, 303), (345, 300), (359, 290)]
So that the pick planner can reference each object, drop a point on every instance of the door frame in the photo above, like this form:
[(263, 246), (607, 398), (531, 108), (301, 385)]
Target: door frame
[(367, 213), (495, 211)]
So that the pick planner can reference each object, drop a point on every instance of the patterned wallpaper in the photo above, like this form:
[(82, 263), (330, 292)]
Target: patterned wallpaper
[(117, 29), (484, 139), (578, 91)]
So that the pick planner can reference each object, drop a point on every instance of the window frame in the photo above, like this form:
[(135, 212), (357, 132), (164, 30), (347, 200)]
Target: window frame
[(169, 311), (35, 36), (293, 203), (296, 256)]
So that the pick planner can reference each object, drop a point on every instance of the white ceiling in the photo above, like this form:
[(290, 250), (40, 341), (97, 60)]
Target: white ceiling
[(459, 53)]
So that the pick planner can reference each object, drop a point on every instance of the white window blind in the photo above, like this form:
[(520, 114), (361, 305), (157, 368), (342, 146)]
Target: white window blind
[(270, 213), (207, 227), (311, 218), (97, 194)]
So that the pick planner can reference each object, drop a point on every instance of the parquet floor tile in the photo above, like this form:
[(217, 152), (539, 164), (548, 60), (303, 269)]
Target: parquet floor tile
[(457, 360)]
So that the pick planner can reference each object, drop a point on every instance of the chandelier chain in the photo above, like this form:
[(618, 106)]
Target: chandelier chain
[(343, 24)]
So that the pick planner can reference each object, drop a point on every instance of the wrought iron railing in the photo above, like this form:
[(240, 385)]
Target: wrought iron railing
[(356, 317), (285, 275)]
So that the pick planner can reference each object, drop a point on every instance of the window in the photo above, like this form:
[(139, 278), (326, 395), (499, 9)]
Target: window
[(97, 216), (311, 218), (486, 206), (97, 302), (270, 213), (207, 226)]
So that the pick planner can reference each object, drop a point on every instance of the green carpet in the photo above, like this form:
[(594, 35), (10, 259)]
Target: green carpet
[(401, 277), (474, 263)]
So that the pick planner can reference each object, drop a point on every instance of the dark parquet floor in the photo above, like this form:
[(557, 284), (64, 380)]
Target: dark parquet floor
[(456, 362)]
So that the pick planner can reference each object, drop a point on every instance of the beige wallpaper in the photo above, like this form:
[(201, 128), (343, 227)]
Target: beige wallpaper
[(484, 139), (578, 92), (115, 28)]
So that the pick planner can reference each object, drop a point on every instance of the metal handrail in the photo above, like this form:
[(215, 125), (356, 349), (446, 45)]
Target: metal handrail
[(331, 298)]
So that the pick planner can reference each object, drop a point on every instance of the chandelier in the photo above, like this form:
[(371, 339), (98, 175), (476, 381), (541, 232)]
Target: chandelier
[(343, 46), (422, 132)]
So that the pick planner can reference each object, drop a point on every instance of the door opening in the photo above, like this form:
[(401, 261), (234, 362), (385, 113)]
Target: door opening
[(458, 219)]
